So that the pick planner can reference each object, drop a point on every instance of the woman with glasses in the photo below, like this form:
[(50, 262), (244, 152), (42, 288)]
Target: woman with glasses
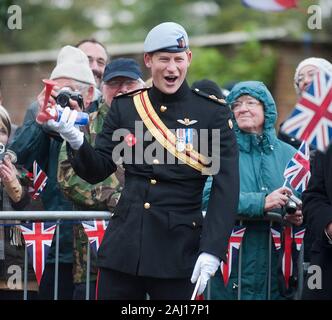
[(305, 71), (263, 158), (303, 77)]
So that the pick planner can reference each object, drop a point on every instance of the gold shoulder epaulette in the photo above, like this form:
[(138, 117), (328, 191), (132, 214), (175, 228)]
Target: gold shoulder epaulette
[(210, 96)]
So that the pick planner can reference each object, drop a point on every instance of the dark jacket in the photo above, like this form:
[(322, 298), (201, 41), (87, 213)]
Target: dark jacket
[(32, 143), (317, 209), (157, 229), (12, 247)]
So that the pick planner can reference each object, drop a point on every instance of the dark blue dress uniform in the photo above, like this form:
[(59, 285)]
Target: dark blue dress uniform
[(157, 229)]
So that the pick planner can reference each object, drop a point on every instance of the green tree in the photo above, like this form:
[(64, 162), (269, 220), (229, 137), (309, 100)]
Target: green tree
[(250, 61), (52, 23)]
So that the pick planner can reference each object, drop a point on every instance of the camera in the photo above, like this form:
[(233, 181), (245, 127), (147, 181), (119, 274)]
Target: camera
[(65, 94), (292, 204), (10, 153)]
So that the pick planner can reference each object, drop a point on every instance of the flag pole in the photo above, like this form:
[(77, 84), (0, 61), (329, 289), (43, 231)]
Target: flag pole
[(193, 297)]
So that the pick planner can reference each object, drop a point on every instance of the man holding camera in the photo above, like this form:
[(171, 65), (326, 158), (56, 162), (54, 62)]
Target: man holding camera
[(37, 142)]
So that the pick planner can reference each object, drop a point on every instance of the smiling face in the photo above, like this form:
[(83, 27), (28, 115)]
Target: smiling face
[(249, 114), (305, 77), (97, 59), (168, 70), (119, 85)]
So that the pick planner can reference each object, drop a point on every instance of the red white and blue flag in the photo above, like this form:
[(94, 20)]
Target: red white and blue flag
[(297, 171), (39, 181), (95, 231), (298, 235), (311, 119), (232, 252), (276, 236), (270, 5), (291, 235), (38, 237)]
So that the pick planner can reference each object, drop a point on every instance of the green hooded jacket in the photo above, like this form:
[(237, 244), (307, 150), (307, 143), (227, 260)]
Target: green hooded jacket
[(263, 159), (32, 142)]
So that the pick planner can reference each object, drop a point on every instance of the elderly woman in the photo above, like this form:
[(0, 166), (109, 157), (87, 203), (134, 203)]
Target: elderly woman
[(263, 158), (305, 71), (303, 77)]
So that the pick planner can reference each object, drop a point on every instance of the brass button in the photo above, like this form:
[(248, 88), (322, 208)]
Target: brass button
[(153, 181), (155, 161), (194, 224), (163, 108), (147, 205)]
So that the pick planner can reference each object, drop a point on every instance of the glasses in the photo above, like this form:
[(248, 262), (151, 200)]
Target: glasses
[(310, 75), (251, 104), (114, 84)]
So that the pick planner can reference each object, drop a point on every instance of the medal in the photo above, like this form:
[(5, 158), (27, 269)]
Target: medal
[(184, 139), (189, 139), (180, 140)]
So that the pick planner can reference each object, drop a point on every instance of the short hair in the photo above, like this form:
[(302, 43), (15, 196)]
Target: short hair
[(93, 40)]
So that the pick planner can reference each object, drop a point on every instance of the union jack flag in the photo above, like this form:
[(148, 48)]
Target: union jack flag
[(291, 235), (298, 235), (232, 252), (38, 237), (39, 181), (270, 5), (95, 231), (276, 236), (311, 119), (297, 171)]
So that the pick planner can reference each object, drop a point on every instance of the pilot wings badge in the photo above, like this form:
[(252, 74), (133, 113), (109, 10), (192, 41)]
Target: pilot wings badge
[(186, 121)]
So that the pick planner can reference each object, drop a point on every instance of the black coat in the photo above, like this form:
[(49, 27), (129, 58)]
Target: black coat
[(164, 240), (317, 209)]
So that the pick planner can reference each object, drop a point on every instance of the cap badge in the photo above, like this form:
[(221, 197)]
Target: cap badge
[(186, 121), (181, 42)]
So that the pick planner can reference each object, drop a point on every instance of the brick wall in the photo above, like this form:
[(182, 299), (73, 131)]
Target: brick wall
[(21, 83)]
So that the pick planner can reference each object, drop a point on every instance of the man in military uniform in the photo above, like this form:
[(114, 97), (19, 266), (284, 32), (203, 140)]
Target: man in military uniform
[(157, 240), (120, 75)]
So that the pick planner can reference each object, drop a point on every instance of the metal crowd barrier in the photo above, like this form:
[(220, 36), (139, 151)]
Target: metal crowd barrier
[(268, 217), (58, 216)]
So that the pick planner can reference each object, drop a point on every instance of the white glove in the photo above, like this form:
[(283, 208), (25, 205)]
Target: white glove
[(206, 266), (65, 127)]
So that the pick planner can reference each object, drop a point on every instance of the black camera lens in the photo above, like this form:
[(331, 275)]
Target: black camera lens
[(63, 99), (290, 207)]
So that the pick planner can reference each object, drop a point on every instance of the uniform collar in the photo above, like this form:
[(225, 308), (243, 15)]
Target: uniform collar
[(161, 97)]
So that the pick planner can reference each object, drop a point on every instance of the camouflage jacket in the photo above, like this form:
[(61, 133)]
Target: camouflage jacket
[(100, 196)]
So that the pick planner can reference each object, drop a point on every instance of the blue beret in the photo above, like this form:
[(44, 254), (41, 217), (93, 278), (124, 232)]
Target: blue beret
[(167, 37)]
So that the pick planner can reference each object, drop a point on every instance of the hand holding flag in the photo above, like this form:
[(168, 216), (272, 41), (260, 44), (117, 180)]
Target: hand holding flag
[(39, 181)]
